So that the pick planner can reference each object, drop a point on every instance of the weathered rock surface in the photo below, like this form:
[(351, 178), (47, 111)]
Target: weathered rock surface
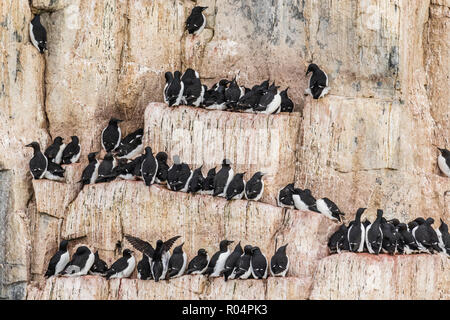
[(186, 287), (371, 138), (368, 277)]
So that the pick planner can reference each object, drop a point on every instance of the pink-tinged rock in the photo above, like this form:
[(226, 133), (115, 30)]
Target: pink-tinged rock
[(369, 277)]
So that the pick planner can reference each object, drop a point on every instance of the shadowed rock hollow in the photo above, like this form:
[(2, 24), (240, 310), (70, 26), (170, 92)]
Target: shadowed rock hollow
[(369, 143)]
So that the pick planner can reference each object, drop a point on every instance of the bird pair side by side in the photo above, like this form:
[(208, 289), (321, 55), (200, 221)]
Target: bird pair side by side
[(291, 197)]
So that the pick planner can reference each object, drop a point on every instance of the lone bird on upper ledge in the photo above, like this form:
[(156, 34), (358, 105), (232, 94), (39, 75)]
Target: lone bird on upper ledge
[(318, 83), (38, 34), (196, 21)]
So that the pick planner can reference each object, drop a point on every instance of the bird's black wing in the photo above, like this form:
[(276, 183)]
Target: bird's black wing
[(169, 243), (119, 265), (141, 245), (52, 264), (51, 152)]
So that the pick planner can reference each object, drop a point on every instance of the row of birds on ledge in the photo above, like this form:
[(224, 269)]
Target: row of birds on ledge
[(391, 237), (187, 89), (158, 264)]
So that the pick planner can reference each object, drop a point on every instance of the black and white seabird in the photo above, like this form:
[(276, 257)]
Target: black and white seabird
[(244, 267), (279, 264), (444, 161), (72, 151), (199, 263), (236, 188), (318, 82), (54, 172), (356, 233), (131, 146), (254, 188), (444, 238), (232, 260), (173, 93), (177, 263), (99, 267), (214, 100), (223, 179), (389, 242), (137, 162), (270, 101), (420, 233), (329, 209), (59, 260), (250, 100), (55, 150), (179, 175), (374, 235), (143, 268), (81, 263), (163, 168), (217, 262), (194, 92), (196, 21), (259, 264), (284, 197), (338, 241), (149, 167), (232, 94), (286, 103), (208, 184), (38, 164), (303, 200), (159, 256), (123, 267), (196, 182), (407, 240), (38, 34), (111, 135), (106, 171), (90, 173)]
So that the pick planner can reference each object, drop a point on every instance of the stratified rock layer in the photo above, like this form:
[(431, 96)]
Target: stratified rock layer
[(368, 277)]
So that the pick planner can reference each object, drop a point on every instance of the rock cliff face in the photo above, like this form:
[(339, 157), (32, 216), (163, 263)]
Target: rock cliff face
[(368, 143)]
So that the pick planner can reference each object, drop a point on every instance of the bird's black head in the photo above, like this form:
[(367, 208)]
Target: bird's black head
[(58, 140), (127, 253), (420, 220), (198, 9), (63, 245), (178, 249), (202, 252), (75, 139), (35, 145), (379, 213), (189, 74), (256, 250), (162, 156), (343, 228), (148, 150), (412, 225), (248, 249), (394, 221), (312, 68), (177, 75), (444, 152), (168, 75), (82, 250), (430, 221), (114, 121), (91, 156), (238, 248), (282, 249), (258, 175), (224, 244), (241, 175), (159, 243), (360, 211)]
